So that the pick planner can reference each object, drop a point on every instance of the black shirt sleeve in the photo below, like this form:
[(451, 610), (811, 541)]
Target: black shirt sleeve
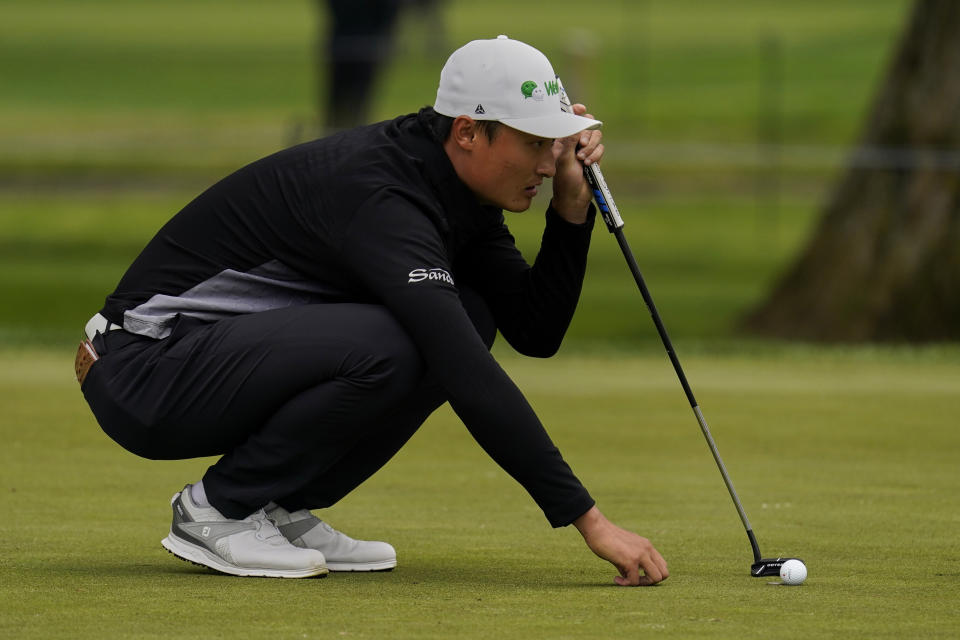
[(532, 306), (396, 252)]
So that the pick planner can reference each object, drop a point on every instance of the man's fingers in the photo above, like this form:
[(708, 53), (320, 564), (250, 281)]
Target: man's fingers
[(661, 565), (589, 155), (654, 568), (590, 149), (628, 577), (654, 571), (588, 139)]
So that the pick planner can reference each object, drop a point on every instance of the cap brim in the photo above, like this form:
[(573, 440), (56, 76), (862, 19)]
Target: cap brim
[(559, 125)]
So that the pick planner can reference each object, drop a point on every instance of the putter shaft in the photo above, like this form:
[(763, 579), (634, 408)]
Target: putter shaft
[(611, 217)]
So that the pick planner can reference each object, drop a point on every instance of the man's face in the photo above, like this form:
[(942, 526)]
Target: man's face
[(507, 171)]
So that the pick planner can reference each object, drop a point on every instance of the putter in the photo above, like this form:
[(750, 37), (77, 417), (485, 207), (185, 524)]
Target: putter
[(611, 216)]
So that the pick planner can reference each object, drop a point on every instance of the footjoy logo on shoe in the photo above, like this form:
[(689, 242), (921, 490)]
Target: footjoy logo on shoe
[(419, 275), (205, 532)]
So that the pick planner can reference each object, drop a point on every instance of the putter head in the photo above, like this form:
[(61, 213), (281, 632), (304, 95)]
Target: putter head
[(768, 566)]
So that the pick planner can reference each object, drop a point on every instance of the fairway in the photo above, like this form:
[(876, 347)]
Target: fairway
[(846, 459)]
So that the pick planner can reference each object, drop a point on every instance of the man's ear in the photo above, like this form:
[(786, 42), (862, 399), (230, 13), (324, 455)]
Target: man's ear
[(464, 132)]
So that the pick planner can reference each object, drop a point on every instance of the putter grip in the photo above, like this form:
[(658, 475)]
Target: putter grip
[(601, 192)]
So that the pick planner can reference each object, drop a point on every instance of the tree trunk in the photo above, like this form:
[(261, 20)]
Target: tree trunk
[(884, 262)]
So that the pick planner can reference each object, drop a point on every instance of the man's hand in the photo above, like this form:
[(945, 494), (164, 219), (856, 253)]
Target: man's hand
[(571, 193), (625, 550)]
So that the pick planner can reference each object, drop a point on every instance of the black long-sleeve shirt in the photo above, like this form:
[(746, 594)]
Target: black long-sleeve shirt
[(378, 214)]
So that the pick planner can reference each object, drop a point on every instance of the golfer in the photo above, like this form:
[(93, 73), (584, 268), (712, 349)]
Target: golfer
[(303, 316)]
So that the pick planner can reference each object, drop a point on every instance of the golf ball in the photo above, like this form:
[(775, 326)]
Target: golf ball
[(793, 572)]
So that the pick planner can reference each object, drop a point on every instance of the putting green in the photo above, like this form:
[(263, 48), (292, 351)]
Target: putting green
[(114, 114), (844, 458)]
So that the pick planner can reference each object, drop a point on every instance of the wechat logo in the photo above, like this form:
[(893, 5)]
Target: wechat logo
[(529, 89)]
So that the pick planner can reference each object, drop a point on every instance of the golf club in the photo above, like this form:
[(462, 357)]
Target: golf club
[(611, 216)]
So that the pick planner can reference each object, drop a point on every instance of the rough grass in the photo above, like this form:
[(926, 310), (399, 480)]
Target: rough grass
[(844, 458)]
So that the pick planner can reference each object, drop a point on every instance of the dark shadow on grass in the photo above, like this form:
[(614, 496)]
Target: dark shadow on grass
[(421, 574), (87, 568), (507, 576)]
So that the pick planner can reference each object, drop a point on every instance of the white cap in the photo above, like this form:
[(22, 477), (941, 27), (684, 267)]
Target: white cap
[(508, 81)]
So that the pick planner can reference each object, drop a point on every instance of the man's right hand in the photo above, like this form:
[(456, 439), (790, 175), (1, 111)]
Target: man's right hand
[(625, 550)]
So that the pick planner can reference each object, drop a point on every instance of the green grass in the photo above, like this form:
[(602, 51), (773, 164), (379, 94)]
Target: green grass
[(705, 260), (844, 458), (115, 114), (125, 88)]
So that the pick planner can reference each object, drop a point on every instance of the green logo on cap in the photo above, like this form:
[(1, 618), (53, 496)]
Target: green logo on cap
[(529, 89)]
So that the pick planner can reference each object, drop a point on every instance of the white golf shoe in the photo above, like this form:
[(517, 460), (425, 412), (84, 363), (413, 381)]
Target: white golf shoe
[(249, 547), (342, 552)]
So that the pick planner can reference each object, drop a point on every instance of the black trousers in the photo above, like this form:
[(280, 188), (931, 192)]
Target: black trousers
[(302, 403)]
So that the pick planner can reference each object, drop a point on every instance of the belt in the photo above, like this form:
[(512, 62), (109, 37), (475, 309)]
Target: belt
[(99, 324), (86, 354)]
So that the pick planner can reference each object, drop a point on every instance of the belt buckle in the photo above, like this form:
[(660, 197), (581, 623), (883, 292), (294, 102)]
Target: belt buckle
[(86, 356)]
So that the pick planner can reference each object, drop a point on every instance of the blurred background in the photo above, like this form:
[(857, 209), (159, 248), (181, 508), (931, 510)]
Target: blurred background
[(728, 126), (788, 173)]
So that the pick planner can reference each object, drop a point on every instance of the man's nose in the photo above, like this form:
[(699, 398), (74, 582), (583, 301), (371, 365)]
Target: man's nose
[(547, 166)]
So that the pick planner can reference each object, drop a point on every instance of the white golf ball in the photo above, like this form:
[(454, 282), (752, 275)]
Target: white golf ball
[(793, 572)]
